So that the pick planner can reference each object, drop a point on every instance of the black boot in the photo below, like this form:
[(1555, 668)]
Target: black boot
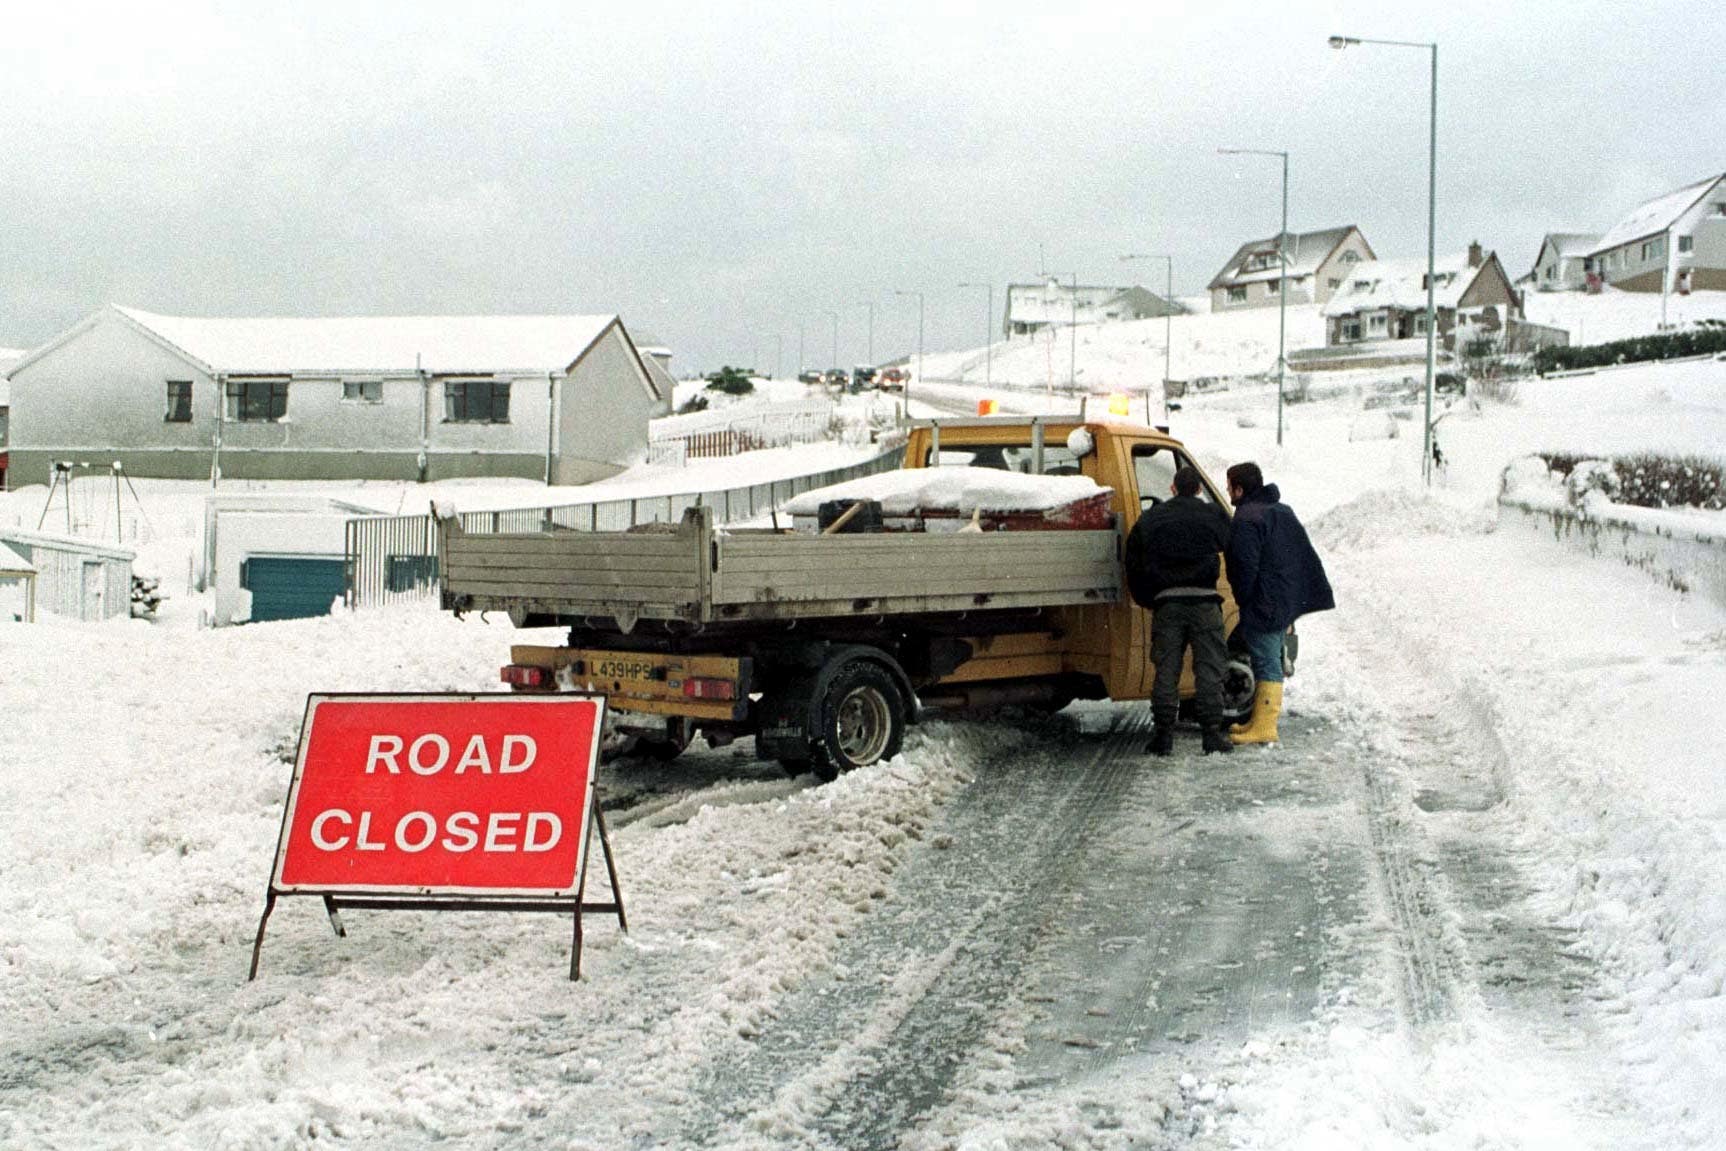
[(1162, 739), (1217, 740)]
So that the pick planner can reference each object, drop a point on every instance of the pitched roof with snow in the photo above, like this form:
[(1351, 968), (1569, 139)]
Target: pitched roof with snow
[(1402, 284), (1656, 215), (1306, 251), (1571, 244), (377, 344)]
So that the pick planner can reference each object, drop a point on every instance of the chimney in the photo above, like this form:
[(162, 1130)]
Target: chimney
[(1474, 256)]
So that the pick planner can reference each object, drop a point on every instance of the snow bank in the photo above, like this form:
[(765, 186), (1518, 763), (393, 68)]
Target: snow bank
[(959, 488)]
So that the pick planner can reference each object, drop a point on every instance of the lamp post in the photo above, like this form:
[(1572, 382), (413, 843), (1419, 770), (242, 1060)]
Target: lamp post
[(1282, 274), (778, 352), (1168, 320), (799, 347), (835, 316), (919, 295), (870, 304), (988, 329), (1339, 43)]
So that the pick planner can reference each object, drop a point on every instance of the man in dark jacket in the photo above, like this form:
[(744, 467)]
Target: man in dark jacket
[(1172, 569), (1276, 577)]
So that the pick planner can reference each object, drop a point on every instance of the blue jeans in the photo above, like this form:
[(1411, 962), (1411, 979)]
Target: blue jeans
[(1265, 650)]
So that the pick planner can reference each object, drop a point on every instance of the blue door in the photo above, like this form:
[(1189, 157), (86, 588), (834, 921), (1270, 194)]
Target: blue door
[(291, 587)]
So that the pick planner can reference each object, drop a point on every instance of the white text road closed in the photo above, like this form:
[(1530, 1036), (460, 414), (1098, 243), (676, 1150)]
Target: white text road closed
[(414, 794)]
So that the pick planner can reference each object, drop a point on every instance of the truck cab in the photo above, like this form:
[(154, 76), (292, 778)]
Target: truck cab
[(1104, 648)]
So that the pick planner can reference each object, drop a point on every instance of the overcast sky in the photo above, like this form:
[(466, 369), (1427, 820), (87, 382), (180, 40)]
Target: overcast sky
[(720, 173)]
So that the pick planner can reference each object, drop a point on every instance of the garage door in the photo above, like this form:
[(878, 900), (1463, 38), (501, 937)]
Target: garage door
[(292, 587)]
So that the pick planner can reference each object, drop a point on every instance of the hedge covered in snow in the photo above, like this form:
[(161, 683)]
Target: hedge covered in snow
[(1705, 339), (1646, 480)]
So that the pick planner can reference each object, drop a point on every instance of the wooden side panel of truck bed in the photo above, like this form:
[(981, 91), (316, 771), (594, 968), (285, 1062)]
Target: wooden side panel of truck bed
[(695, 573)]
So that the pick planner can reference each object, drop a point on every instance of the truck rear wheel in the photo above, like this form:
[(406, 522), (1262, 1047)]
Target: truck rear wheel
[(858, 720)]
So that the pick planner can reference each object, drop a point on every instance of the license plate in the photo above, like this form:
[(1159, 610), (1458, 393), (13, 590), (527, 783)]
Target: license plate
[(625, 669)]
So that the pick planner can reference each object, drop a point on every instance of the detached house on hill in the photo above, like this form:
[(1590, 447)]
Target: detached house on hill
[(1033, 307), (1675, 242), (564, 399), (1318, 264), (1386, 300), (1561, 265)]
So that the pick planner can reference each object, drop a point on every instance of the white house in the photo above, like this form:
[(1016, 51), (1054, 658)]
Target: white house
[(1675, 242), (1318, 264), (565, 399), (1050, 303), (1561, 265)]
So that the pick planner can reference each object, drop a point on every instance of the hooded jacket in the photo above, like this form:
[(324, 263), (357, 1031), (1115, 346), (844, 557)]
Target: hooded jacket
[(1276, 575), (1172, 552)]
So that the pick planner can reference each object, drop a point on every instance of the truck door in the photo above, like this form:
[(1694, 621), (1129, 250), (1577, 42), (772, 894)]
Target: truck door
[(1154, 467)]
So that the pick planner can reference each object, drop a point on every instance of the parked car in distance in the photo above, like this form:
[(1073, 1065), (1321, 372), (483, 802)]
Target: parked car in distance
[(812, 376), (836, 377), (892, 379)]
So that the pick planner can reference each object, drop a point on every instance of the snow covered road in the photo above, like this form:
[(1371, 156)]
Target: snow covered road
[(1470, 901)]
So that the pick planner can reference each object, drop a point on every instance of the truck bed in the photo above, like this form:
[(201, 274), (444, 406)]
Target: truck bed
[(694, 573)]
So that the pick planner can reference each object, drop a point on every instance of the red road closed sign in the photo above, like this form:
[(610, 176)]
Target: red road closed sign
[(469, 796)]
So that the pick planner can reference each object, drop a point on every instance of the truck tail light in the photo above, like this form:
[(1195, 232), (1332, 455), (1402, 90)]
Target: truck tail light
[(701, 688), (520, 675)]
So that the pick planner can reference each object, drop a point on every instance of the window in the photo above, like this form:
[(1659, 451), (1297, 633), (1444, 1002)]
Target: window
[(1420, 324), (1154, 470), (1351, 329), (476, 401), (179, 402), (1720, 208), (1237, 295), (1350, 257), (1057, 459), (363, 391), (257, 401), (1685, 244), (1376, 322), (1333, 284)]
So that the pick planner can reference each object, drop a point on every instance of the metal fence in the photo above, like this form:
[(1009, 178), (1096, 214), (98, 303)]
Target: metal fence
[(394, 558)]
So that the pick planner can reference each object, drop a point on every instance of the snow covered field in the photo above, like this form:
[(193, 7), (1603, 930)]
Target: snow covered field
[(1497, 827)]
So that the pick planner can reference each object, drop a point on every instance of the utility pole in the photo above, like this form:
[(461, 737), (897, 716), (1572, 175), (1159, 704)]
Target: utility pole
[(1168, 322), (835, 316), (1282, 274), (870, 304), (988, 328), (919, 295)]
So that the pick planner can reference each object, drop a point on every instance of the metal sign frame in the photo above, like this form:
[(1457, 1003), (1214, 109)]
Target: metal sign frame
[(570, 899)]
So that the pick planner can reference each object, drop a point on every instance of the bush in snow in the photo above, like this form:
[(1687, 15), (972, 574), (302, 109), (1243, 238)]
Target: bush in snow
[(1704, 339), (1645, 480), (731, 381)]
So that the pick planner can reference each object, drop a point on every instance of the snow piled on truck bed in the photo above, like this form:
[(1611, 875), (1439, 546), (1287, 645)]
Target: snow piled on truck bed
[(959, 489)]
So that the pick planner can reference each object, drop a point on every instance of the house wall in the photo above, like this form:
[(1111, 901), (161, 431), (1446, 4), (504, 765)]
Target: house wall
[(103, 395), (1338, 266), (603, 409)]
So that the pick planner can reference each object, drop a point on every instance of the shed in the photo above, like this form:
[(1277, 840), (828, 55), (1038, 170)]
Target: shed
[(17, 587), (75, 577), (270, 557)]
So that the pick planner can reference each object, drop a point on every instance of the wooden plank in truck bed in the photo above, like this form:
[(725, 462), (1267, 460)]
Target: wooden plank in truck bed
[(768, 576), (700, 575)]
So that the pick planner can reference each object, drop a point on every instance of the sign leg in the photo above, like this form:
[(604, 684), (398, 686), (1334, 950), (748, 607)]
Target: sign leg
[(335, 917), (575, 948), (258, 944), (610, 866)]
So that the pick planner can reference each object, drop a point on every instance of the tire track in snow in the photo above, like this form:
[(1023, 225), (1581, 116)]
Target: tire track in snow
[(856, 1068)]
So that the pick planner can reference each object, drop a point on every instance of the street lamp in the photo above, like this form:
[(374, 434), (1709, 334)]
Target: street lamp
[(1168, 320), (1339, 43), (988, 329), (919, 295), (1282, 274), (870, 304), (835, 316), (799, 347)]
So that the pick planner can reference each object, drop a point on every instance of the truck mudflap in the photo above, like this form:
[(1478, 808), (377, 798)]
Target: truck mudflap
[(711, 687)]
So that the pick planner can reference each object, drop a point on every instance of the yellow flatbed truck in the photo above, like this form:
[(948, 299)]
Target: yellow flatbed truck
[(824, 646)]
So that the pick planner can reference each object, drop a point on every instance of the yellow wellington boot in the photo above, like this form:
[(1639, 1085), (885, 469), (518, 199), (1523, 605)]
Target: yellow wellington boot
[(1267, 706)]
